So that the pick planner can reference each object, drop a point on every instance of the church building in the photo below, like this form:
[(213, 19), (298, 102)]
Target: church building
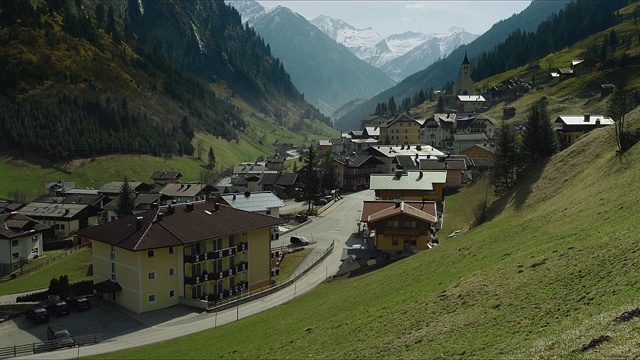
[(464, 85)]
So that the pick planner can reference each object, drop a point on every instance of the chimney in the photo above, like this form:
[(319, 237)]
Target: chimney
[(159, 217), (420, 175), (190, 207), (138, 223), (234, 196), (587, 117), (247, 193), (170, 210), (216, 207), (397, 204)]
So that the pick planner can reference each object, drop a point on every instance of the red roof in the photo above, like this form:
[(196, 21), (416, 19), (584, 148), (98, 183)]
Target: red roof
[(373, 211)]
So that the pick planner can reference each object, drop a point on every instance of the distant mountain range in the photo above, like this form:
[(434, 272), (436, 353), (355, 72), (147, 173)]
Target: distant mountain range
[(328, 77), (398, 55), (327, 73)]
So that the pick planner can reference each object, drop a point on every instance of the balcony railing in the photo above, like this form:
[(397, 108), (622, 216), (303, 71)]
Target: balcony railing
[(213, 255), (216, 275), (275, 272)]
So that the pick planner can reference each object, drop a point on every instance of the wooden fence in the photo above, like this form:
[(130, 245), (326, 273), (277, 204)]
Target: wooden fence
[(35, 348), (40, 265)]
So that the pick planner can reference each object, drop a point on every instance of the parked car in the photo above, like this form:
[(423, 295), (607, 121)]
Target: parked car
[(60, 335), (298, 241), (59, 308), (320, 202), (38, 315), (79, 303), (302, 218)]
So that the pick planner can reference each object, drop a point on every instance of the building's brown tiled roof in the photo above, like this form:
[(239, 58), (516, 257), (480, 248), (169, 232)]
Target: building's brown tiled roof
[(377, 209), (181, 227), (18, 225)]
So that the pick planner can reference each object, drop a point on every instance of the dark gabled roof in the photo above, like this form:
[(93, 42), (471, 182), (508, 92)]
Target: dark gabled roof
[(277, 160), (53, 210), (406, 162), (8, 206), (17, 225), (180, 228), (357, 161), (284, 179), (187, 189), (165, 175), (115, 187), (83, 199)]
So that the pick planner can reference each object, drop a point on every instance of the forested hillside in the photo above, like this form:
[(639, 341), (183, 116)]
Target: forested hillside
[(89, 77)]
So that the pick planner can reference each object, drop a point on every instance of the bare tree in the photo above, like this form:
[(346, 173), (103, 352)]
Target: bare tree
[(620, 104)]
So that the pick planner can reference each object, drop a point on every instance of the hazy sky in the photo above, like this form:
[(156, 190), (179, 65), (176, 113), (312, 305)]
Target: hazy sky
[(395, 17)]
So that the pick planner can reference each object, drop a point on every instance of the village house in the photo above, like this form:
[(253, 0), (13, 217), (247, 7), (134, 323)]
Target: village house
[(281, 184), (192, 254), (482, 155), (274, 163), (180, 192), (401, 129), (165, 177), (414, 185), (64, 218), (571, 127), (373, 121), (352, 171), (456, 168), (388, 153), (400, 226), (440, 130), (581, 67), (470, 103), (21, 239)]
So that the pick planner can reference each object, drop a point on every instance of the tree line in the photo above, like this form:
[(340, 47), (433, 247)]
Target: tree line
[(577, 21)]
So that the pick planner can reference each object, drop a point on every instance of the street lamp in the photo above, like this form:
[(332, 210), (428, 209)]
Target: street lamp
[(238, 289)]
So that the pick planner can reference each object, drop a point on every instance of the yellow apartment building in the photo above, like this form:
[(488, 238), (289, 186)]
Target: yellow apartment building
[(193, 252)]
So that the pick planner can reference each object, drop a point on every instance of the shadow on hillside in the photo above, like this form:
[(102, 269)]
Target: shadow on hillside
[(521, 192)]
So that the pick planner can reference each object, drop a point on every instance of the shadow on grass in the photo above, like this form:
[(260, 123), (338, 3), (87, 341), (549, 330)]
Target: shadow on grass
[(519, 194)]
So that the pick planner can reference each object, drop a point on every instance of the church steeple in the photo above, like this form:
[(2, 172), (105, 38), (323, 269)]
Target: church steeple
[(466, 59)]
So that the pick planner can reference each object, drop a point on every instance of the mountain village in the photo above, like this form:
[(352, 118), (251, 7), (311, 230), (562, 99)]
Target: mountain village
[(189, 255)]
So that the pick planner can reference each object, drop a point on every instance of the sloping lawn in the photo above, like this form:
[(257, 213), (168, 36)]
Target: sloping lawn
[(76, 266)]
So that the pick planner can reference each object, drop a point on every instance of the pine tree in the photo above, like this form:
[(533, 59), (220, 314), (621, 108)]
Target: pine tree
[(125, 202), (440, 105), (620, 103), (329, 178), (392, 107), (309, 178), (507, 160), (212, 158), (539, 138)]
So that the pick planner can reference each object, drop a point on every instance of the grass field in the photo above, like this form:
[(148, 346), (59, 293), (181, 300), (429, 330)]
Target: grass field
[(544, 277), (289, 264), (76, 266)]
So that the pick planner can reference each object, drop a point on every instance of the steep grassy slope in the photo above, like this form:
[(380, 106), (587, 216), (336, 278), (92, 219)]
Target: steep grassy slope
[(546, 275)]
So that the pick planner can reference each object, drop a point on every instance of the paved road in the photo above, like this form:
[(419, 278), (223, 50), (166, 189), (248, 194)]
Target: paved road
[(339, 223)]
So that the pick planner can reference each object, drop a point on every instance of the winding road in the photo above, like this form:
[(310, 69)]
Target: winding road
[(338, 223)]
